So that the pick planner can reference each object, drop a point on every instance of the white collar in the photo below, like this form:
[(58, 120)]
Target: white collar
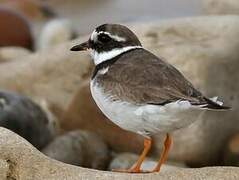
[(104, 56)]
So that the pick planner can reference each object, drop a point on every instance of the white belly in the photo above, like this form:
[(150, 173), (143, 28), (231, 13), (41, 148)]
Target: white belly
[(145, 119)]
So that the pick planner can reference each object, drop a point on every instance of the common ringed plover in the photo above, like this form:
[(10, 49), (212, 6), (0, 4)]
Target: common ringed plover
[(139, 91)]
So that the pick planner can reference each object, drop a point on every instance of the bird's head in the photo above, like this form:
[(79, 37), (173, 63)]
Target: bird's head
[(108, 41)]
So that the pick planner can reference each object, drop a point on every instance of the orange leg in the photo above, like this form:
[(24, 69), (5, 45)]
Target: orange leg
[(136, 167), (164, 155)]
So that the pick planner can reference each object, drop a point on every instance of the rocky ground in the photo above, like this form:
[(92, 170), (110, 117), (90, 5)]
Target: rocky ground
[(19, 160), (205, 49)]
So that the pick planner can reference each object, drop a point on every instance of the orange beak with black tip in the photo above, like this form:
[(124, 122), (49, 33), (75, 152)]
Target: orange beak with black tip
[(81, 47)]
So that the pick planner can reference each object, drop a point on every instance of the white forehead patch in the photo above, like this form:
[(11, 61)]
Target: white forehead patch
[(94, 35)]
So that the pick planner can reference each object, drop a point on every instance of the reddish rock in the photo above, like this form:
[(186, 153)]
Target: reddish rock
[(231, 156), (15, 29), (33, 9)]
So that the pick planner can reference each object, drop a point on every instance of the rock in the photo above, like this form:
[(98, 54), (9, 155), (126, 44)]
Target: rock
[(53, 75), (232, 152), (12, 53), (10, 21), (126, 160), (79, 148), (200, 54), (221, 6), (55, 32), (25, 162), (32, 9), (21, 115), (4, 169)]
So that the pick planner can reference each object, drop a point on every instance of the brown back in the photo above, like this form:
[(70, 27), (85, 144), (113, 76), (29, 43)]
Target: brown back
[(139, 77)]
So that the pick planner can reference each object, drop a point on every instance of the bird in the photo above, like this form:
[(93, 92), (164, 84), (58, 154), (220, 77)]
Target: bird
[(139, 91)]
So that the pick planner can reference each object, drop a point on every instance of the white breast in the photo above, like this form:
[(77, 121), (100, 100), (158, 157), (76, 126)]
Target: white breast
[(145, 119)]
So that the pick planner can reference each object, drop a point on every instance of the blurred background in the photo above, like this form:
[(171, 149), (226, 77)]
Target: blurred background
[(86, 15), (45, 95)]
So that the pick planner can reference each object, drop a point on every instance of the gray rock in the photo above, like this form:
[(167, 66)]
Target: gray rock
[(79, 148), (22, 161), (21, 115)]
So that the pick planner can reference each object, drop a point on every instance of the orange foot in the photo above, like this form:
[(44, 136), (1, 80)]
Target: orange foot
[(164, 155), (147, 145), (136, 168)]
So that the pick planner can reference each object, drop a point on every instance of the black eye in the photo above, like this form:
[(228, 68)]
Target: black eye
[(104, 38)]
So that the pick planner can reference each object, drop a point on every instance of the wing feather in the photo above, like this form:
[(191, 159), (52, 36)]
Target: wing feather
[(142, 78)]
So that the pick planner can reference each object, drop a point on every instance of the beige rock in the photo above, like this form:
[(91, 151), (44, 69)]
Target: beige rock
[(53, 75), (25, 162), (205, 49), (81, 148), (221, 6), (12, 53), (4, 169)]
